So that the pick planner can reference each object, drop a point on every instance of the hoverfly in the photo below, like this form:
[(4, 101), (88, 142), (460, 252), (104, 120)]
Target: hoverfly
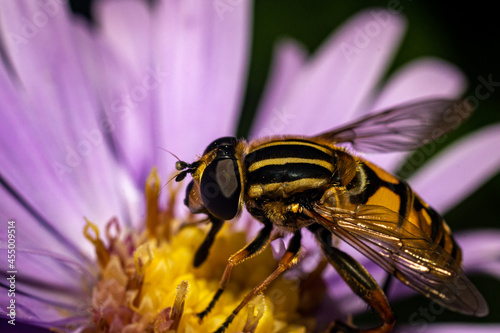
[(293, 182)]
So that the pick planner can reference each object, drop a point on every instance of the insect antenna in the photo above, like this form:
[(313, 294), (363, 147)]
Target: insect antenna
[(181, 166), (176, 157), (178, 178)]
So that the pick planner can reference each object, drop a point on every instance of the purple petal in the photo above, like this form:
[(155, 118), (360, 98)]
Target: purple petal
[(481, 251), (287, 63), (46, 285), (52, 142), (125, 26), (33, 230), (457, 172), (202, 51), (424, 78), (125, 77), (340, 77), (278, 248)]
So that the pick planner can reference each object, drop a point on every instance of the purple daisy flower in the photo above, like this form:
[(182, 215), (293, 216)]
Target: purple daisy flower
[(85, 110)]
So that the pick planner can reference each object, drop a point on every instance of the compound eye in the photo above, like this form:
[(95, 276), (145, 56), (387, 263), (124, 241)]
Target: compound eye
[(188, 192), (220, 188), (227, 141), (192, 199)]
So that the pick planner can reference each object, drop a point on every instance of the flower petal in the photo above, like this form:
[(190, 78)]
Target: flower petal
[(459, 170), (125, 77), (287, 63), (125, 26), (46, 285), (424, 78), (32, 229), (340, 77), (203, 50), (481, 251), (53, 120)]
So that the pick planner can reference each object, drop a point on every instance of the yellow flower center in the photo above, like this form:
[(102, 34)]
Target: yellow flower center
[(147, 281)]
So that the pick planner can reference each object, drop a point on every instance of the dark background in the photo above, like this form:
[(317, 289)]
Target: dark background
[(466, 34)]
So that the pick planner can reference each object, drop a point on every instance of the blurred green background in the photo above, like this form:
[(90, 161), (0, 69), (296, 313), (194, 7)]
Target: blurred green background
[(466, 34)]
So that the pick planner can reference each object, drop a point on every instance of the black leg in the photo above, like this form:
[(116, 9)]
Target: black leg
[(387, 283), (253, 248), (360, 281), (202, 252)]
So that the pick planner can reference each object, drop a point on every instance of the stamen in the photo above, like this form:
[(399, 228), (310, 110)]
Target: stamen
[(169, 214), (178, 308), (143, 257), (113, 232), (152, 189), (101, 252), (256, 309), (114, 272), (163, 322)]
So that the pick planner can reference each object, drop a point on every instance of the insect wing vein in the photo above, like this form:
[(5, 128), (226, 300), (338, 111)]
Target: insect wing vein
[(407, 253), (402, 128)]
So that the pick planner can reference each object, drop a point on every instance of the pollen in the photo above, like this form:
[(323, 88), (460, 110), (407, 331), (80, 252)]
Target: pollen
[(147, 281)]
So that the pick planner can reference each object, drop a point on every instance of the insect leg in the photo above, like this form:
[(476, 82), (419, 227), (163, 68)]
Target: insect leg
[(287, 261), (387, 283), (202, 252), (251, 249), (360, 281)]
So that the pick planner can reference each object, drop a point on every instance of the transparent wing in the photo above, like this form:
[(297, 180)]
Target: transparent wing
[(406, 252), (402, 128)]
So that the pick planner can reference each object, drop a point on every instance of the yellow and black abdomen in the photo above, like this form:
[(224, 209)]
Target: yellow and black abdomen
[(283, 168), (383, 189)]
